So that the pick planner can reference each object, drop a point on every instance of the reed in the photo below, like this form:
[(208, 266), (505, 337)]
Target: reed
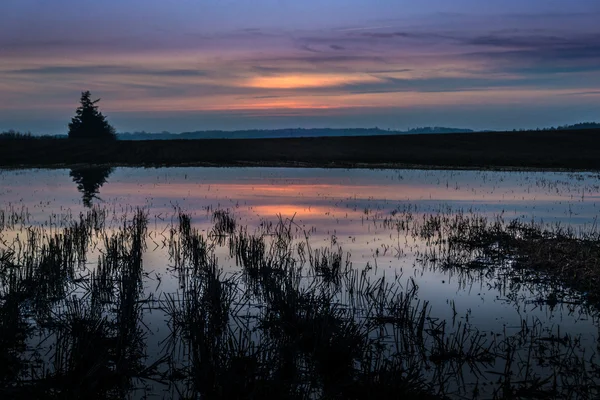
[(290, 322)]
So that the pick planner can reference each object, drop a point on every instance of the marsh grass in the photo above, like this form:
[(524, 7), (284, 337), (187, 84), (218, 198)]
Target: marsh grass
[(329, 264), (224, 222), (292, 322), (288, 326), (91, 321), (528, 252)]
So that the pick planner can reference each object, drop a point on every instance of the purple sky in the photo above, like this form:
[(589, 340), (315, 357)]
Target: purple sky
[(192, 65)]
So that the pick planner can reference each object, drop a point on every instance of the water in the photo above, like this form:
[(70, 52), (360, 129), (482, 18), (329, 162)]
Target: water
[(352, 209)]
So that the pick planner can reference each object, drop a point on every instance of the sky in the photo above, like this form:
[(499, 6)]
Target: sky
[(187, 65)]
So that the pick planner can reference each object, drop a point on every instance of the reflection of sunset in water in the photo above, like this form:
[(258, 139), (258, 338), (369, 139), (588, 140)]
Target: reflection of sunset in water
[(315, 195), (352, 210), (290, 210), (384, 191), (350, 204)]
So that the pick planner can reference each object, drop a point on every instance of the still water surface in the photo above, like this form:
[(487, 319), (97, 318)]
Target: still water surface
[(345, 208)]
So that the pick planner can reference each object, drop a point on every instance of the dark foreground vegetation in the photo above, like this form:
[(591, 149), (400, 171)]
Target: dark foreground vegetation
[(572, 149), (291, 322)]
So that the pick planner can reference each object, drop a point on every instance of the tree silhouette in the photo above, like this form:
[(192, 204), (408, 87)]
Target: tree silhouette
[(89, 181), (88, 122)]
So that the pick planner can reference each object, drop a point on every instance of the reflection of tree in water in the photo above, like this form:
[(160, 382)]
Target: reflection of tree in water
[(89, 181)]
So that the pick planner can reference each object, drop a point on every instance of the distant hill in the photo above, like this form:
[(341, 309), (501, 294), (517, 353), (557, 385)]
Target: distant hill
[(575, 127), (297, 133), (281, 133)]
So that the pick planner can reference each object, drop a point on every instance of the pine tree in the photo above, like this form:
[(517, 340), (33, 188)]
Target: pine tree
[(88, 122)]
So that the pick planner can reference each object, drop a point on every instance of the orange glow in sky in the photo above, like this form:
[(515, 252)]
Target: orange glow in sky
[(397, 75), (306, 81)]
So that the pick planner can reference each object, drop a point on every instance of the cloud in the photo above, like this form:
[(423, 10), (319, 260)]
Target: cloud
[(429, 85), (391, 71), (523, 41), (267, 97), (405, 35), (106, 70), (269, 70), (566, 45), (319, 59), (585, 93)]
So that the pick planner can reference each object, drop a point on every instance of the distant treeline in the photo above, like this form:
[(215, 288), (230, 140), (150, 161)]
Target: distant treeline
[(12, 134), (282, 133), (294, 133), (574, 127), (15, 135), (251, 133)]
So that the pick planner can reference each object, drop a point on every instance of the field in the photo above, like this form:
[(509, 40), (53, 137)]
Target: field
[(515, 150)]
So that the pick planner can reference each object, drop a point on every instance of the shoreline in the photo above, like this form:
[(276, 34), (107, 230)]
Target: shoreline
[(372, 166)]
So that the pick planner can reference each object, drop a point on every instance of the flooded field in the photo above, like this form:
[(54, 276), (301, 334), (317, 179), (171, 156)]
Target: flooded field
[(298, 283)]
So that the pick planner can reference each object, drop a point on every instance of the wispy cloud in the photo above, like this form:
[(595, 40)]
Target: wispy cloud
[(398, 64), (95, 70)]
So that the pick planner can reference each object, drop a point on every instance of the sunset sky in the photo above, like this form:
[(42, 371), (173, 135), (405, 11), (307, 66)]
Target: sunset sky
[(189, 65)]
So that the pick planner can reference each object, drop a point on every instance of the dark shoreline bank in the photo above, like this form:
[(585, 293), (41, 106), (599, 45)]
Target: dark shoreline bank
[(543, 150)]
